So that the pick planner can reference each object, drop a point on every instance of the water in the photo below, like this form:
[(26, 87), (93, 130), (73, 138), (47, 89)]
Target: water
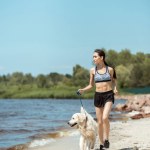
[(140, 90), (22, 121)]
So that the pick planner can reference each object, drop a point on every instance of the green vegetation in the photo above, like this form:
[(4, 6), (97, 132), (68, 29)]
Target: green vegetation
[(133, 71)]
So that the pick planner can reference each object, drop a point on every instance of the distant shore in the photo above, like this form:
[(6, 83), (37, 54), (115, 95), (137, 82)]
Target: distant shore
[(57, 92)]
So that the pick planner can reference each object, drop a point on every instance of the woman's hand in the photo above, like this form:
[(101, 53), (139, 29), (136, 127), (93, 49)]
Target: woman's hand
[(115, 91), (81, 91)]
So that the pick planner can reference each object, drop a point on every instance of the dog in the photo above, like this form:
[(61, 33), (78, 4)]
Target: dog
[(87, 127)]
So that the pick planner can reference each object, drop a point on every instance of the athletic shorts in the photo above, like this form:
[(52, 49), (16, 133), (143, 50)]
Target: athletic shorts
[(100, 99)]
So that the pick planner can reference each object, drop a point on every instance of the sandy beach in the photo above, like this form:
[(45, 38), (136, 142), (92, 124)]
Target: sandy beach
[(124, 135)]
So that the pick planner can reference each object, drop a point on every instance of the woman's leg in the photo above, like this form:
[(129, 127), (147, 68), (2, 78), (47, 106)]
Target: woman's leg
[(105, 118), (99, 115)]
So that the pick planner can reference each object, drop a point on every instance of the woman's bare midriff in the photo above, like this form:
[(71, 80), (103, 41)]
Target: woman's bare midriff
[(103, 86)]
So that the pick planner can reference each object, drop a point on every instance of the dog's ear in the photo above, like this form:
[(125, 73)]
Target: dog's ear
[(82, 110), (82, 118)]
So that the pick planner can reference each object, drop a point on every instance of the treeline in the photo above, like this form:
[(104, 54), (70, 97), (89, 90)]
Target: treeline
[(53, 85), (79, 78), (133, 70)]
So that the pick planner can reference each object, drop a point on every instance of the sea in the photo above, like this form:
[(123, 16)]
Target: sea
[(37, 122)]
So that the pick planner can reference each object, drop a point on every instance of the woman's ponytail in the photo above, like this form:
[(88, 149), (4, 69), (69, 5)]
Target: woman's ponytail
[(114, 73), (102, 53)]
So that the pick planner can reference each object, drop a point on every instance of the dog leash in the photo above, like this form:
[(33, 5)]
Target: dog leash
[(79, 94)]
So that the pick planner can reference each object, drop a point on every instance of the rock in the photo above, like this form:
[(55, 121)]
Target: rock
[(137, 116), (120, 107), (19, 147), (140, 102), (135, 103), (129, 107), (146, 115), (147, 102), (133, 113), (135, 107), (146, 109)]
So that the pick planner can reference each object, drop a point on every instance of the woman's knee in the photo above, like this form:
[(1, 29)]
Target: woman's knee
[(105, 119), (100, 122)]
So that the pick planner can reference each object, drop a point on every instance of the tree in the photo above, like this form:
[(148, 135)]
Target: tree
[(146, 72), (125, 57), (16, 78), (28, 78), (55, 77), (41, 81), (139, 57), (136, 75), (80, 76), (112, 58), (123, 75)]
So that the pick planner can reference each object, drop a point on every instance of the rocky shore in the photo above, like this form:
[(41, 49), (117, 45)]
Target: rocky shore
[(137, 106)]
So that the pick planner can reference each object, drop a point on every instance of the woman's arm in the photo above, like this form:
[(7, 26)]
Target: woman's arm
[(114, 81), (115, 86), (91, 82)]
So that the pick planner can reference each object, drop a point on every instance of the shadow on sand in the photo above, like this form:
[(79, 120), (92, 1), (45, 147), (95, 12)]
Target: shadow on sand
[(132, 148)]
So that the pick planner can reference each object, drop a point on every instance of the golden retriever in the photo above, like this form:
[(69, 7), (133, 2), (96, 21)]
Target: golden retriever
[(87, 127)]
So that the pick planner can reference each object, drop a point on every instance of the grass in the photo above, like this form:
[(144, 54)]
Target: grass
[(56, 92)]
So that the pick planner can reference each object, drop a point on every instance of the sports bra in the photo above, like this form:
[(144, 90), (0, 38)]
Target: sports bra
[(102, 77)]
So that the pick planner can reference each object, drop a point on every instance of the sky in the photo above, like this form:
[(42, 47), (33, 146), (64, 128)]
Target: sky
[(44, 36)]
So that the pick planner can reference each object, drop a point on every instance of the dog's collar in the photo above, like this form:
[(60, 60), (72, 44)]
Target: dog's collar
[(86, 121)]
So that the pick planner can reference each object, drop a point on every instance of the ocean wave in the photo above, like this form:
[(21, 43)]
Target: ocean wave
[(43, 139), (40, 142), (8, 114), (74, 133), (18, 147), (52, 135), (3, 131)]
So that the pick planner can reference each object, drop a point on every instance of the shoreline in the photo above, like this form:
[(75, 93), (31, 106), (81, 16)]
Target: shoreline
[(59, 136), (116, 134), (125, 135), (125, 96)]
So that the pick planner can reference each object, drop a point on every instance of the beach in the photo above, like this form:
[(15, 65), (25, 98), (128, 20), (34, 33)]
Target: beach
[(40, 126), (124, 135)]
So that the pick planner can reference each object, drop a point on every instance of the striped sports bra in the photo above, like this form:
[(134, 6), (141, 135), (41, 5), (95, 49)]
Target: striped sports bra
[(102, 77)]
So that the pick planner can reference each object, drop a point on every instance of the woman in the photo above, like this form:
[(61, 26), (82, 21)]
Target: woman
[(105, 82)]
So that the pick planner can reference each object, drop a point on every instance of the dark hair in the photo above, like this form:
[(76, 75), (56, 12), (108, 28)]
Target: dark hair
[(102, 53)]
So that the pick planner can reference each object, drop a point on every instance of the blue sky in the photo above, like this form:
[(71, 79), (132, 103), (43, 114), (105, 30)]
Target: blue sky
[(43, 36)]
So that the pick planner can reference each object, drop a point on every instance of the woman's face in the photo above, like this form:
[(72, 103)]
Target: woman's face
[(97, 59)]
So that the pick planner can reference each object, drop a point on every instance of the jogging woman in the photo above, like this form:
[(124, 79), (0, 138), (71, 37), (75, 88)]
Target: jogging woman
[(104, 78)]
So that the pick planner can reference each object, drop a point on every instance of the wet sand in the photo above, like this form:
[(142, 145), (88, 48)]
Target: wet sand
[(124, 135)]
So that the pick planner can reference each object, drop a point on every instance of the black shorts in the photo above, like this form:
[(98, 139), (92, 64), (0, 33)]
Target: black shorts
[(100, 99)]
